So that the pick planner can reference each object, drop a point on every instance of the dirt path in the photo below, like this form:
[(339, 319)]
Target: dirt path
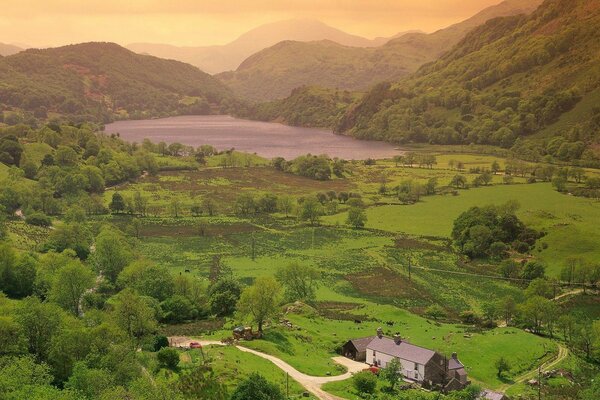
[(310, 383), (563, 352), (570, 293)]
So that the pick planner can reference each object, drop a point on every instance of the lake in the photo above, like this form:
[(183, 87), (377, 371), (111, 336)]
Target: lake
[(263, 138)]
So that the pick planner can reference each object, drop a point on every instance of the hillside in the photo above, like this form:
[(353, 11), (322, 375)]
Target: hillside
[(273, 73), (307, 106), (507, 80), (9, 49), (99, 80), (215, 59)]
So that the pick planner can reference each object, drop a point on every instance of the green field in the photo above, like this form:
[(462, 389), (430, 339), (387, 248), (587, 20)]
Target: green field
[(570, 222)]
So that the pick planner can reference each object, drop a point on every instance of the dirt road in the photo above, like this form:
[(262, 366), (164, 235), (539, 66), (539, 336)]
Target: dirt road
[(312, 384)]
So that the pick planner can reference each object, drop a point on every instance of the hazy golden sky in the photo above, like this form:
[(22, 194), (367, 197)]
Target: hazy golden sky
[(203, 22)]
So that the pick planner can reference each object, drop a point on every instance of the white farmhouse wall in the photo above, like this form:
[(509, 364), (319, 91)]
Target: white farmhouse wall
[(408, 367)]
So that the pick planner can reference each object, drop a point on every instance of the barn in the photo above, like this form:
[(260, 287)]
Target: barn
[(356, 349)]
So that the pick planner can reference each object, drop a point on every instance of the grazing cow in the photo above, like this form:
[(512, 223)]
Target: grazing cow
[(187, 270), (357, 321)]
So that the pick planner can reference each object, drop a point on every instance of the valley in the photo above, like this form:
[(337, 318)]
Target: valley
[(303, 212)]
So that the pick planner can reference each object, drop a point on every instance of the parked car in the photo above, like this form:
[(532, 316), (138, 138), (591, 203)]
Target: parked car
[(195, 345)]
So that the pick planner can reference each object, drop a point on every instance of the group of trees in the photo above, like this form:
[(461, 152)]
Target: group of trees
[(491, 231), (310, 166)]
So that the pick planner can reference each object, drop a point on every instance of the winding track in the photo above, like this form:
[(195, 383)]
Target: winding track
[(310, 383)]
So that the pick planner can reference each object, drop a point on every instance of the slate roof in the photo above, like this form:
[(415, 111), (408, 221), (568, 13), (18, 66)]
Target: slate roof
[(403, 350), (490, 395), (453, 363), (362, 343)]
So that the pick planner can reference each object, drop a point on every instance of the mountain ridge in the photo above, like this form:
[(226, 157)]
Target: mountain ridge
[(221, 58), (101, 81), (274, 72)]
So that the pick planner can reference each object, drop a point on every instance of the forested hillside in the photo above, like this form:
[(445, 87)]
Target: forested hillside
[(526, 83), (100, 81), (308, 106), (274, 72)]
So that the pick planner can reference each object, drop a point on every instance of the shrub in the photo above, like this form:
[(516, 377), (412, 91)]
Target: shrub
[(160, 341), (38, 219), (168, 358), (364, 382)]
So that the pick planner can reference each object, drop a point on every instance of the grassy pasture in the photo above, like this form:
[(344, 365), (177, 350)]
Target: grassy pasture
[(569, 221)]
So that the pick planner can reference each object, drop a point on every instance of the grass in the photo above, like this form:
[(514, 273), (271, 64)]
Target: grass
[(569, 221), (233, 366)]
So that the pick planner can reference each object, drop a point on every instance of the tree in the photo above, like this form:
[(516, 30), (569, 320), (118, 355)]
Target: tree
[(90, 382), (392, 372), (507, 306), (175, 207), (540, 287), (199, 383), (260, 300), (69, 285), (245, 204), (502, 365), (533, 270), (177, 309), (70, 236), (117, 203), (459, 181), (356, 217), (435, 311), (209, 206), (11, 336), (168, 358), (148, 279), (286, 204), (300, 281), (134, 314), (223, 296), (364, 382), (40, 322), (495, 167), (112, 253), (17, 273), (257, 387), (310, 211)]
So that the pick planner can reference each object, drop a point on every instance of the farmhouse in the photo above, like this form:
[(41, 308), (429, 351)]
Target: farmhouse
[(418, 364)]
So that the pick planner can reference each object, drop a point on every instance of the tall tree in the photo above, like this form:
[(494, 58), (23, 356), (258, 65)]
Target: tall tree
[(300, 281), (112, 253), (260, 300), (69, 285)]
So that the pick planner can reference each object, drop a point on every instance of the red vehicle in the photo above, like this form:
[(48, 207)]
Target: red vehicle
[(195, 345), (373, 370)]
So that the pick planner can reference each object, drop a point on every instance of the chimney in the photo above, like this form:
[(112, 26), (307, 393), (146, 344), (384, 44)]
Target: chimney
[(455, 356), (379, 333), (397, 339)]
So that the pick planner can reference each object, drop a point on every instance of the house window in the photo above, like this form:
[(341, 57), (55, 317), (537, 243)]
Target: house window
[(416, 367)]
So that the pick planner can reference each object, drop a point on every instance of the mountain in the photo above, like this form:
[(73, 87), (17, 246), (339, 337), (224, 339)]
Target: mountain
[(529, 83), (273, 73), (9, 49), (215, 59), (99, 81)]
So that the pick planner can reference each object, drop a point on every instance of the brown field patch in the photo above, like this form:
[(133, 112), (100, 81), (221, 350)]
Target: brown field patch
[(382, 282), (199, 230), (340, 311), (192, 328), (410, 243)]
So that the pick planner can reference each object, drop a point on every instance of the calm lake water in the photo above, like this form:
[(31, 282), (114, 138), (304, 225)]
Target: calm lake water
[(263, 138)]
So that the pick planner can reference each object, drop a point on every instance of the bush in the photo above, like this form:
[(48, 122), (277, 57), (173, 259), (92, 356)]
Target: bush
[(160, 342), (364, 382), (168, 358), (257, 387), (38, 219)]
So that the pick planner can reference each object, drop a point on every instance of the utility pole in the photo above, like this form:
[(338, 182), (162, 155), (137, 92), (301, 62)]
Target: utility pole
[(253, 247), (409, 268), (540, 382), (287, 384)]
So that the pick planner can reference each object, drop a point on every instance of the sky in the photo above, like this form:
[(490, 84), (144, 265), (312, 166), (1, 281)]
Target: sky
[(42, 23)]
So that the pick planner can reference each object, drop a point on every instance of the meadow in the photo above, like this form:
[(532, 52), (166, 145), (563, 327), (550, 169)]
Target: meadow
[(364, 274)]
